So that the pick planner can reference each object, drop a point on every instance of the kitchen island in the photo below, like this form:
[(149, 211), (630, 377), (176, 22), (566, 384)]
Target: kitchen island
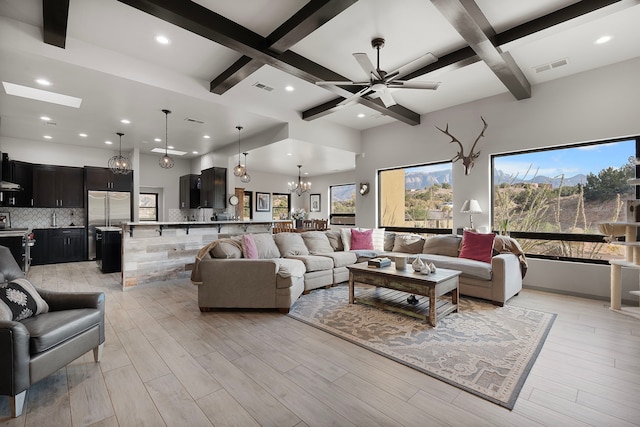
[(155, 252)]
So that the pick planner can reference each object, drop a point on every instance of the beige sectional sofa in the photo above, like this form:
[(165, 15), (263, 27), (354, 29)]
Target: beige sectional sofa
[(289, 264)]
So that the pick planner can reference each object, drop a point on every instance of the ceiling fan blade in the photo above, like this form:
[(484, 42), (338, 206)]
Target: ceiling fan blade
[(386, 98), (413, 85), (412, 66), (367, 65), (355, 96), (341, 83)]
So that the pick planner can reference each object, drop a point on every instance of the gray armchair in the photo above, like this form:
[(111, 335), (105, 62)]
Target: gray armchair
[(38, 346)]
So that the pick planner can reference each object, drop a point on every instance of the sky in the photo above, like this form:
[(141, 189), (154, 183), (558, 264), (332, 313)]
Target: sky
[(567, 161)]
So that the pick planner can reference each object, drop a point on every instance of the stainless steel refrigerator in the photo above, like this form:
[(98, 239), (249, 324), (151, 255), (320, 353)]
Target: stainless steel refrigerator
[(106, 209)]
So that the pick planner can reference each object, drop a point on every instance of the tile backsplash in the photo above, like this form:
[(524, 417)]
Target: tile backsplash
[(43, 217)]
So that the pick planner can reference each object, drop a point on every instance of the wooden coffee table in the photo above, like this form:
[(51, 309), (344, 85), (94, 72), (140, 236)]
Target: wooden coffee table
[(432, 286)]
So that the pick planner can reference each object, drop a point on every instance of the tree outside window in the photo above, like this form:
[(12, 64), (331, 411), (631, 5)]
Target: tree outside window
[(342, 199), (280, 205)]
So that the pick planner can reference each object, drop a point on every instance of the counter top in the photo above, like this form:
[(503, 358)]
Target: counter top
[(58, 227), (109, 228), (14, 233)]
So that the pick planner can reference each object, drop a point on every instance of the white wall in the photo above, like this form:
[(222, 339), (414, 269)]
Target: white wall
[(594, 105)]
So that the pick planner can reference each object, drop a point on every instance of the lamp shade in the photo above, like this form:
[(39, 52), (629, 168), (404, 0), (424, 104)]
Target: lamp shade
[(471, 207)]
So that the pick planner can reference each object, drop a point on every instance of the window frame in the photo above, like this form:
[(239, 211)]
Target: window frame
[(288, 196), (568, 237), (418, 230), (146, 207), (247, 195), (347, 215)]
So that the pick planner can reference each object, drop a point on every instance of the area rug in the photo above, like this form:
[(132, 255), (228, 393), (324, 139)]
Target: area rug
[(483, 349)]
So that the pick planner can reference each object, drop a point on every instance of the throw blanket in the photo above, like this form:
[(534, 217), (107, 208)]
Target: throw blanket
[(196, 276), (505, 244)]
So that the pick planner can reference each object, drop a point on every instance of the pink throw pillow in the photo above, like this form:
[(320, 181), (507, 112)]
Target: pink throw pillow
[(361, 239), (249, 248), (477, 246)]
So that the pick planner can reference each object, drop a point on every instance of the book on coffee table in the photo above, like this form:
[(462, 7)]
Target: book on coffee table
[(379, 262)]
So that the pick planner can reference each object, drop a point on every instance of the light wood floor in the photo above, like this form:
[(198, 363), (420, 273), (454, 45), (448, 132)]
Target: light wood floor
[(165, 363)]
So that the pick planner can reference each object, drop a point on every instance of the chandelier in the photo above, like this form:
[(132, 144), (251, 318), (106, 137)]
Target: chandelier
[(301, 186), (239, 170), (245, 176), (120, 164), (166, 162)]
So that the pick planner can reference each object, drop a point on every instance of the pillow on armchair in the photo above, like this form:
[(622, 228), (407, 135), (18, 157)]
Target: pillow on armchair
[(20, 300)]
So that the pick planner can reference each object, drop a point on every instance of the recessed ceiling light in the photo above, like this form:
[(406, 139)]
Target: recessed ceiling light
[(171, 147), (83, 135), (194, 152), (125, 121), (157, 139), (47, 137), (361, 115), (305, 173), (43, 82), (289, 88), (174, 152), (206, 137), (603, 39), (162, 39), (45, 118), (41, 95), (108, 142), (289, 154)]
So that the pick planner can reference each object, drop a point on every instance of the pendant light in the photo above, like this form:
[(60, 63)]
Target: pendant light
[(239, 170), (166, 162), (245, 176), (120, 164), (301, 186)]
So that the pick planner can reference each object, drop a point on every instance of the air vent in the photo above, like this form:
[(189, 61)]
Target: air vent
[(263, 86), (551, 65), (189, 119)]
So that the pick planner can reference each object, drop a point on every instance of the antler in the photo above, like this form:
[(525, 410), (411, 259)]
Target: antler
[(467, 161), (475, 155), (460, 154)]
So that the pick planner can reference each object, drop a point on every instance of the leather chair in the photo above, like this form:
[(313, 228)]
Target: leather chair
[(38, 346)]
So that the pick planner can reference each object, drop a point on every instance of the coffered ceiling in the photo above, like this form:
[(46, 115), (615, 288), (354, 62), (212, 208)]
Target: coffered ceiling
[(229, 63)]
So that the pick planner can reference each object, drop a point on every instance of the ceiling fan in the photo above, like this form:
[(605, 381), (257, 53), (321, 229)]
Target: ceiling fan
[(380, 81)]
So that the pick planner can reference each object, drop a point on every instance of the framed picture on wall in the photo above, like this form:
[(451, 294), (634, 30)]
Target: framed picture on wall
[(314, 203), (263, 202)]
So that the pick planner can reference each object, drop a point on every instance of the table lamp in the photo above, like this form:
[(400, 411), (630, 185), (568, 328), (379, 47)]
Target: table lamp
[(471, 207)]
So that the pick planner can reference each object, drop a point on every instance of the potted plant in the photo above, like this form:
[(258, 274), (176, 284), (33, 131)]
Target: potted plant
[(298, 215)]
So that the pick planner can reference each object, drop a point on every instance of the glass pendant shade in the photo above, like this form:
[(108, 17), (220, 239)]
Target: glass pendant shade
[(239, 170), (166, 162), (301, 186), (120, 164), (245, 176)]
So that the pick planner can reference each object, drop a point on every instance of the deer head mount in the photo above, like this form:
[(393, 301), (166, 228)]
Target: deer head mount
[(467, 161)]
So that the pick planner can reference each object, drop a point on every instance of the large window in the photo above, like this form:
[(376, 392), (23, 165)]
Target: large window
[(280, 205), (342, 199), (417, 197), (148, 208), (553, 199)]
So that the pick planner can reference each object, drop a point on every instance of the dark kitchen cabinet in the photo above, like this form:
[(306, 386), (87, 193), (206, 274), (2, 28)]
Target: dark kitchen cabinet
[(57, 187), (20, 173), (213, 188), (103, 179), (189, 191), (57, 245)]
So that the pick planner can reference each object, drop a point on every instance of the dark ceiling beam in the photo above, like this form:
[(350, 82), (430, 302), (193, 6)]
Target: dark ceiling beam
[(210, 25), (55, 14), (466, 56), (469, 21), (308, 19)]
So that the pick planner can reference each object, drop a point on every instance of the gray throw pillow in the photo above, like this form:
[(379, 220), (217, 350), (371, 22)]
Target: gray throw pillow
[(226, 248), (267, 248), (408, 243), (389, 240), (447, 244), (290, 244), (317, 242), (335, 239)]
